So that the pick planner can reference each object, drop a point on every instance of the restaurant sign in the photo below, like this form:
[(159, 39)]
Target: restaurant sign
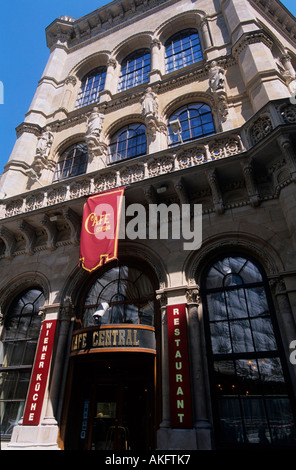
[(113, 338), (180, 395)]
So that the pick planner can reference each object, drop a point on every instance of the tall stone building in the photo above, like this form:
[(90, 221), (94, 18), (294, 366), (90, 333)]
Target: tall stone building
[(173, 344)]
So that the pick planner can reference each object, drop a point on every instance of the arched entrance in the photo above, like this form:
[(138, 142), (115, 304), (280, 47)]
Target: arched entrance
[(111, 394)]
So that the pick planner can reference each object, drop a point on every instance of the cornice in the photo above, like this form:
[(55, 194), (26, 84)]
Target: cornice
[(279, 15), (68, 33)]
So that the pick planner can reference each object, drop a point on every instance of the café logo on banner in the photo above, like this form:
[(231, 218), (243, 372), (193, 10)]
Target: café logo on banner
[(100, 229), (179, 374)]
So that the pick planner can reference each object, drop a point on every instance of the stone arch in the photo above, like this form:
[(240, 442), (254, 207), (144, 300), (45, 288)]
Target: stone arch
[(185, 99), (79, 277), (133, 43), (247, 244), (15, 286), (122, 122), (89, 63)]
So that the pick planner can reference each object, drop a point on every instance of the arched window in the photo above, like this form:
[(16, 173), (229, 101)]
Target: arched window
[(135, 69), (250, 393), (182, 49), (17, 350), (121, 295), (73, 162), (190, 122), (91, 86), (128, 142)]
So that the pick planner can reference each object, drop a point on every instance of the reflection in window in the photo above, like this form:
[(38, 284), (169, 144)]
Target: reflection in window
[(120, 295), (91, 86), (252, 402), (182, 49), (195, 121), (17, 350), (134, 69), (73, 162), (129, 142)]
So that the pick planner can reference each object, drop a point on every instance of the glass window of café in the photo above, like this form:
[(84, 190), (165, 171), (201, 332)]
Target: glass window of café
[(122, 294), (250, 388), (17, 351)]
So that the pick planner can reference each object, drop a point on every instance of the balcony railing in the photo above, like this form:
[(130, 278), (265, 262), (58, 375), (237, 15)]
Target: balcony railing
[(168, 161)]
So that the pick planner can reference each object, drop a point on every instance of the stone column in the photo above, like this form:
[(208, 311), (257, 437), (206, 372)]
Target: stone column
[(155, 74), (199, 398), (109, 89), (206, 37), (165, 422), (286, 318), (70, 83), (287, 193)]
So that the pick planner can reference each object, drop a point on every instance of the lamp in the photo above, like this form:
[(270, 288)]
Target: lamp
[(176, 128)]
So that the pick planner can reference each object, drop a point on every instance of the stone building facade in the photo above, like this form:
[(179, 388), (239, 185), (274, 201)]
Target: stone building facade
[(183, 102)]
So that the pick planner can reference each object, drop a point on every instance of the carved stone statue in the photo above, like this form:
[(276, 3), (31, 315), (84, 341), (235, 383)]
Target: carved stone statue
[(149, 103), (217, 78), (44, 143), (93, 133), (94, 125)]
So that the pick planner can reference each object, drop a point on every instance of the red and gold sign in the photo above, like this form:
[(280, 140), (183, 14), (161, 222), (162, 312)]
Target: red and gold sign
[(100, 228), (40, 372)]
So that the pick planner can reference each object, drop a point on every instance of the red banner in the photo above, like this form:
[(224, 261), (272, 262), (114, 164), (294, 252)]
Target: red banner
[(40, 374), (179, 374), (100, 227)]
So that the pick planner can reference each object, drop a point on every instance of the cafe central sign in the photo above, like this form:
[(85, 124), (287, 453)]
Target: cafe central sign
[(113, 338)]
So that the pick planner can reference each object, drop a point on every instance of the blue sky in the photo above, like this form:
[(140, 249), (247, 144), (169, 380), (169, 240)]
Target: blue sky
[(24, 54)]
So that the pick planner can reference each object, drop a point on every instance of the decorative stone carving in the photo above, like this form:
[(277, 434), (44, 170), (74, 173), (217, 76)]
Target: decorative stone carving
[(75, 224), (9, 239), (29, 233), (288, 113), (193, 295), (132, 173), (216, 191), (43, 147), (289, 72), (217, 86), (217, 78), (51, 232), (149, 104), (93, 134), (261, 128)]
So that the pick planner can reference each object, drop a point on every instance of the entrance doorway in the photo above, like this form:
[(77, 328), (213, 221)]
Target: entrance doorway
[(112, 405)]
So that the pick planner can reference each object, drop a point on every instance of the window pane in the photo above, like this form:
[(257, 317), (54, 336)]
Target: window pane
[(216, 306), (241, 336), (134, 70), (220, 337), (128, 142), (72, 162), (236, 303), (127, 294), (192, 121), (19, 340), (182, 49), (91, 85)]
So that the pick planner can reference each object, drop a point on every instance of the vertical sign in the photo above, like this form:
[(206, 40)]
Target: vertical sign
[(40, 374), (180, 393)]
